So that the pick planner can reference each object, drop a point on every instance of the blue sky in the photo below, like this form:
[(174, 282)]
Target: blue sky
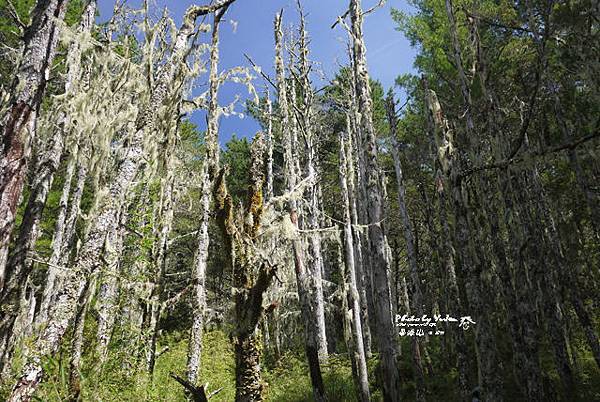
[(388, 52)]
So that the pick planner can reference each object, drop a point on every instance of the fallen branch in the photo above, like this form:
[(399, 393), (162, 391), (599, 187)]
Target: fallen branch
[(198, 393)]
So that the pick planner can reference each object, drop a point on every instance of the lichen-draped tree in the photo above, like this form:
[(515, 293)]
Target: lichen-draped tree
[(18, 124), (443, 140), (210, 166), (253, 270), (165, 216), (309, 311), (306, 120), (106, 219), (378, 256), (478, 275), (20, 261), (110, 287)]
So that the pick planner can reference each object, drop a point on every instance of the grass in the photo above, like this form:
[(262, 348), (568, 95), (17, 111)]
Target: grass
[(286, 381)]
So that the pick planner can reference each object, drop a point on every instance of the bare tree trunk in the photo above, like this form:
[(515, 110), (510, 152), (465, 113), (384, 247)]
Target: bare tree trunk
[(351, 300), (309, 311), (160, 265), (380, 264), (64, 232), (316, 267), (57, 240), (361, 268), (269, 142), (18, 124), (209, 167)]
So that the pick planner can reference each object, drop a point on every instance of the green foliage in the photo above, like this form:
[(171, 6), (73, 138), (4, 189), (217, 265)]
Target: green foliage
[(237, 156)]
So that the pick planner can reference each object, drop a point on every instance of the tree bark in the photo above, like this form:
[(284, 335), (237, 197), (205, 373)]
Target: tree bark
[(18, 123), (77, 342), (351, 297), (209, 167), (361, 265), (110, 287), (380, 264), (240, 229), (106, 220), (308, 309), (417, 295), (305, 117)]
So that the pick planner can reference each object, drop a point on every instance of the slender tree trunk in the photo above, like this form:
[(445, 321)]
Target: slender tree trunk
[(57, 240), (77, 342), (160, 265), (209, 167), (308, 310), (316, 268), (351, 297), (417, 296), (380, 264), (361, 270), (417, 299), (62, 241), (269, 141)]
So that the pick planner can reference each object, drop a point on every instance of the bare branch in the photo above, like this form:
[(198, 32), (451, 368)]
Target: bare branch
[(375, 7), (260, 71)]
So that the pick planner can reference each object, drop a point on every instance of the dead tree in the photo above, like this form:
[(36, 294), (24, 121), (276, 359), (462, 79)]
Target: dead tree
[(309, 312), (305, 117), (210, 166), (378, 251), (352, 312), (106, 219)]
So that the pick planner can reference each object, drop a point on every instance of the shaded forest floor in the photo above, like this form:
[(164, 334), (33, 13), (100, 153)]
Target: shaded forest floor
[(286, 381)]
